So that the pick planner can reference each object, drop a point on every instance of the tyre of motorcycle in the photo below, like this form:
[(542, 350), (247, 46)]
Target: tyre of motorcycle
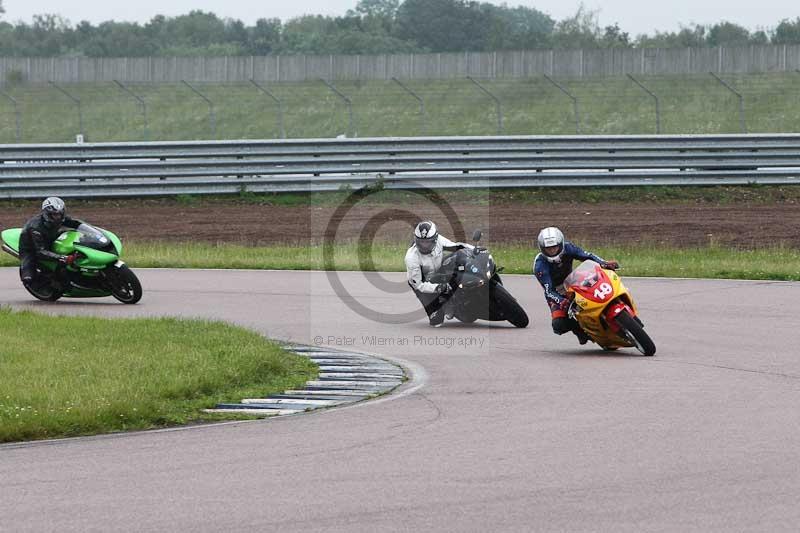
[(636, 333), (124, 284), (43, 290), (503, 306)]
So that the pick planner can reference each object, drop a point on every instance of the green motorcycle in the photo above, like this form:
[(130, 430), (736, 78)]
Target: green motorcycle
[(96, 272)]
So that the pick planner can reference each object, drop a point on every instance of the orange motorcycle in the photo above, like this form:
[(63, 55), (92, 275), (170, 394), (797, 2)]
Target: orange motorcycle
[(605, 309)]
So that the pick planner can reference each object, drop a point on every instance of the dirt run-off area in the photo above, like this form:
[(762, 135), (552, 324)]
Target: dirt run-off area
[(261, 221)]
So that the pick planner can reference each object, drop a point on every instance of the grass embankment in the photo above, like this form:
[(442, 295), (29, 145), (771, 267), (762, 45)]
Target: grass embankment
[(688, 104), (643, 260), (66, 376)]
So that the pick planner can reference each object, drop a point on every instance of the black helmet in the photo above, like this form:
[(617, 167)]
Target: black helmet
[(54, 210), (425, 236), (552, 240)]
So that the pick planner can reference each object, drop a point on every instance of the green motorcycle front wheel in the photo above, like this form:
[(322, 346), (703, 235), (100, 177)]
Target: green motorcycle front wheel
[(125, 286)]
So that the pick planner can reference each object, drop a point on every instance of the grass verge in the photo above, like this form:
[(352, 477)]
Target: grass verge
[(70, 376), (777, 263), (645, 260)]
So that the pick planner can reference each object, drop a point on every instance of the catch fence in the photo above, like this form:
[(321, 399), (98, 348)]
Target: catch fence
[(544, 105)]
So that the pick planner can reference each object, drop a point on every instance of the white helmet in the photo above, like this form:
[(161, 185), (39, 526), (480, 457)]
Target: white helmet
[(54, 210), (549, 237), (425, 236)]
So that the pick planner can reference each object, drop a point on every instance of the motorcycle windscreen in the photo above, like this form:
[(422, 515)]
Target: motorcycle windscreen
[(585, 275)]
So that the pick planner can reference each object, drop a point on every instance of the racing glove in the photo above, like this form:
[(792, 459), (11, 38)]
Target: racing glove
[(444, 288), (610, 265)]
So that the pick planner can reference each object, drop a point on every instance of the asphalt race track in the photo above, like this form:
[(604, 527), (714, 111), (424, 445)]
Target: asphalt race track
[(501, 429)]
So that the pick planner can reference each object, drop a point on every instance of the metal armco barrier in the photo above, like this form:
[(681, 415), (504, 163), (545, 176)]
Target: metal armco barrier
[(231, 167)]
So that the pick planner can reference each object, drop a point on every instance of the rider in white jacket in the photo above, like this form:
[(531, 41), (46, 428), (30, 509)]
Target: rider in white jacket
[(422, 260)]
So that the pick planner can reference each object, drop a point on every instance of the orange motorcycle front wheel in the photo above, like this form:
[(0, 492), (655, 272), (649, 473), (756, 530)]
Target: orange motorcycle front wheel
[(633, 329)]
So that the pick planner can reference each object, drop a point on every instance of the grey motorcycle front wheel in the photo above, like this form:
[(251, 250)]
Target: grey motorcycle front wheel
[(505, 307)]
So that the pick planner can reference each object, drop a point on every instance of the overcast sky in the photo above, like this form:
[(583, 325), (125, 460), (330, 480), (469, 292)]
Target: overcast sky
[(633, 16)]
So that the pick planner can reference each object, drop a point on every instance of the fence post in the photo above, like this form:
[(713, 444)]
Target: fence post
[(17, 118), (75, 100), (574, 103), (212, 115), (266, 91), (742, 123), (651, 93), (351, 131), (423, 126), (142, 104), (497, 105)]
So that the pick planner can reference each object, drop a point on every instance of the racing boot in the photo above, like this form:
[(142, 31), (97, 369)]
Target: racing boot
[(59, 279), (449, 310), (436, 318), (583, 338)]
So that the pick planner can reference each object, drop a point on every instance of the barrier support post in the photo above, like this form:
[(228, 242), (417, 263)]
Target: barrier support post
[(423, 125), (275, 99), (574, 102), (654, 96), (142, 105), (497, 105), (75, 100), (212, 114), (742, 124), (351, 130)]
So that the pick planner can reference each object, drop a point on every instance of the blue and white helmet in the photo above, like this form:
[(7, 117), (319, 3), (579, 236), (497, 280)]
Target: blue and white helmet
[(425, 236), (54, 210), (548, 238)]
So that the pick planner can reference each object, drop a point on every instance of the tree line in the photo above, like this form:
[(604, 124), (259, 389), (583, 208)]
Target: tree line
[(373, 27)]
